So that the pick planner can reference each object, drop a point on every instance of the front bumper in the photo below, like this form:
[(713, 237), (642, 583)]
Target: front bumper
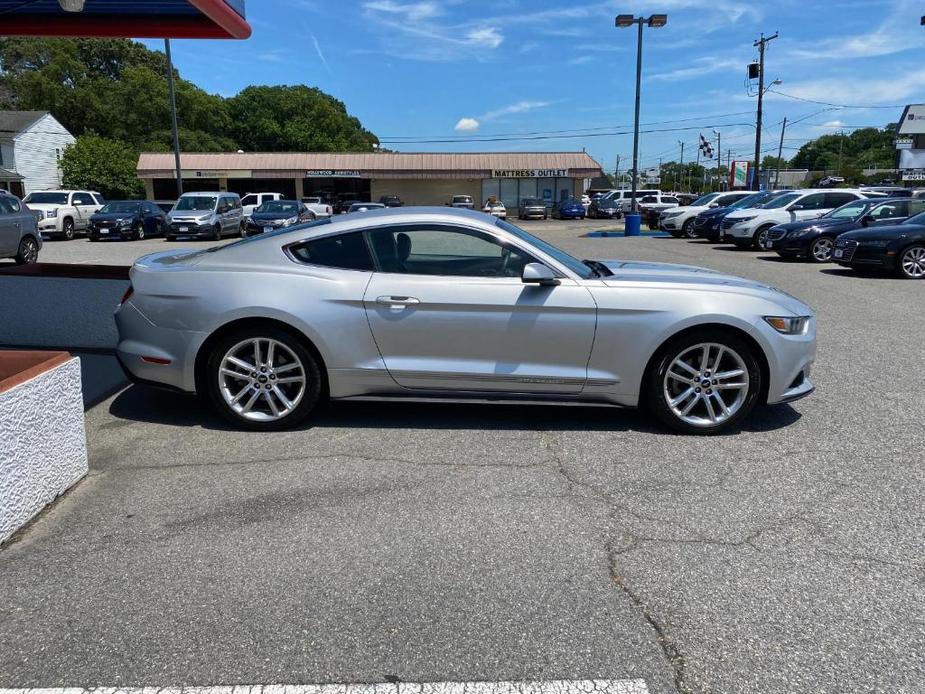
[(49, 225), (533, 212), (790, 362), (110, 232), (742, 231), (862, 256), (189, 229), (789, 246)]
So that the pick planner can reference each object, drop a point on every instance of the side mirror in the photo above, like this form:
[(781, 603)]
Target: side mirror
[(537, 273), (794, 208), (866, 220), (714, 204)]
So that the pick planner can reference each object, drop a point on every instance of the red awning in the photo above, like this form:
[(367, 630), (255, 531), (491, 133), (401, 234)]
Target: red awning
[(180, 19)]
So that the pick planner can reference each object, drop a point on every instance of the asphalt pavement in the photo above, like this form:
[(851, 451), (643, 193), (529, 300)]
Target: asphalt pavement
[(485, 543)]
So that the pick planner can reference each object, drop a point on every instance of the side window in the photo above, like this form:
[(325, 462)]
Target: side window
[(348, 251), (83, 199), (916, 206), (890, 210), (445, 251), (5, 206), (249, 200), (834, 200), (669, 199), (813, 202), (99, 199)]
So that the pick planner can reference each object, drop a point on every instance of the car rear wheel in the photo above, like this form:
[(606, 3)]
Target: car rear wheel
[(821, 250), (704, 382), (28, 252), (263, 379), (912, 263)]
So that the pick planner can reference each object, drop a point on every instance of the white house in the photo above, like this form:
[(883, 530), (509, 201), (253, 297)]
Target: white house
[(31, 145)]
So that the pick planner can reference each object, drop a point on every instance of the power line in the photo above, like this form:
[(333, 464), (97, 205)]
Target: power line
[(826, 103)]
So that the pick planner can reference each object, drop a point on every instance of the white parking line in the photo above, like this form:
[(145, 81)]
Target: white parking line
[(636, 686)]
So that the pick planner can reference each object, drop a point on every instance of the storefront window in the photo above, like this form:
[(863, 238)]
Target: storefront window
[(527, 189), (546, 190), (565, 188), (509, 192), (491, 187)]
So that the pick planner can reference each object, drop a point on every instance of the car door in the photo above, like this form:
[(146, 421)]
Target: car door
[(808, 207), (10, 224), (448, 310), (84, 206)]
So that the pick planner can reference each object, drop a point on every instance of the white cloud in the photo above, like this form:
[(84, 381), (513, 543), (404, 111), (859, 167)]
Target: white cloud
[(467, 125), (485, 36), (414, 12), (519, 107), (321, 57), (272, 57), (701, 66), (903, 82), (832, 124), (580, 60)]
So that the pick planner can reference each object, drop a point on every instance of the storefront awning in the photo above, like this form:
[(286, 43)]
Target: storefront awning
[(7, 175), (182, 19)]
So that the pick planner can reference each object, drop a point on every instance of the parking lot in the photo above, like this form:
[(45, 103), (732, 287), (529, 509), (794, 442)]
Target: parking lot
[(473, 542)]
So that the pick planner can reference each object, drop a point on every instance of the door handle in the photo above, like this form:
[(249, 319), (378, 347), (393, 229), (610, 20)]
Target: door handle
[(397, 300)]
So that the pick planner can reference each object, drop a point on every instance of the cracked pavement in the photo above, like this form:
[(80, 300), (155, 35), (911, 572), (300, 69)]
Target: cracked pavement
[(483, 543)]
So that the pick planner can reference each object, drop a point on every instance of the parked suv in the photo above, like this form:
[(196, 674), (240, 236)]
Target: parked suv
[(210, 215), (63, 213), (251, 201), (749, 228), (19, 231), (391, 201), (680, 222), (625, 197)]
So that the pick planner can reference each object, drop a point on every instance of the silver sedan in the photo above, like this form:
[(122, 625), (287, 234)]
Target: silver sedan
[(451, 304)]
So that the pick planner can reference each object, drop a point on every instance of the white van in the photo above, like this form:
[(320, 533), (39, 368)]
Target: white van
[(625, 197)]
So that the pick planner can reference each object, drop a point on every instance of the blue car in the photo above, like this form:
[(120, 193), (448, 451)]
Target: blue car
[(569, 209)]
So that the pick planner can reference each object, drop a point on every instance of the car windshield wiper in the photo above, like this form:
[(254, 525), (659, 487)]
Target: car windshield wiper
[(600, 270)]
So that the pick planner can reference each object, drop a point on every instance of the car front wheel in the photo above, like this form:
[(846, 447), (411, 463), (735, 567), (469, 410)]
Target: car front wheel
[(760, 237), (138, 233), (912, 263), (687, 229), (67, 229), (704, 382), (264, 379), (821, 250)]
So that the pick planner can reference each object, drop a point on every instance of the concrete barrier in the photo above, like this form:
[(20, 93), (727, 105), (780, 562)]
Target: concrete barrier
[(43, 447)]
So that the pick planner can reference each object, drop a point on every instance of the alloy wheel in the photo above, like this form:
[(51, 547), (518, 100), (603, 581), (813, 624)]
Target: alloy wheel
[(139, 232), (706, 384), (761, 237), (262, 379), (913, 263), (688, 229), (821, 250), (28, 252), (68, 229)]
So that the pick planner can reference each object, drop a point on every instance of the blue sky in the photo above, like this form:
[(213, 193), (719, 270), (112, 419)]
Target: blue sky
[(454, 70)]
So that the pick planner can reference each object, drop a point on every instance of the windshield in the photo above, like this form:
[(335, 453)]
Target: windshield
[(918, 219), (196, 203), (532, 202), (850, 211), (129, 207), (573, 264), (46, 198), (279, 206), (705, 200), (462, 198), (782, 201), (751, 201)]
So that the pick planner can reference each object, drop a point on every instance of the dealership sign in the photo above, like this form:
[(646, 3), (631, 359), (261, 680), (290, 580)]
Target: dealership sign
[(904, 143), (913, 120), (332, 173), (529, 173), (738, 174), (914, 175), (232, 173)]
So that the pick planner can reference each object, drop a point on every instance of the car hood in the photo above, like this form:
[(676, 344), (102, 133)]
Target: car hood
[(716, 212), (272, 216), (671, 274), (830, 224), (44, 206), (890, 232), (112, 216)]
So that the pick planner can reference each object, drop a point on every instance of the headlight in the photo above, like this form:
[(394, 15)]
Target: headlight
[(669, 215), (51, 213), (290, 221), (125, 222), (788, 325), (879, 243), (798, 233), (740, 220)]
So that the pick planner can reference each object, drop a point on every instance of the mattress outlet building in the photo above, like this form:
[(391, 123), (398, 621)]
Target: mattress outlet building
[(419, 178)]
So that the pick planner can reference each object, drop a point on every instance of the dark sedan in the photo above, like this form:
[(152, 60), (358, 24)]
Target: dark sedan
[(899, 249), (708, 224), (814, 239), (605, 208), (569, 209), (274, 214), (126, 219), (391, 201)]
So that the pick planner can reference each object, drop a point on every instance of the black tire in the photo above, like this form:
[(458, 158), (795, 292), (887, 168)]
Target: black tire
[(761, 233), (67, 229), (313, 388), (28, 251), (816, 252), (656, 380), (138, 233), (687, 229), (170, 237), (217, 233), (93, 238), (911, 262)]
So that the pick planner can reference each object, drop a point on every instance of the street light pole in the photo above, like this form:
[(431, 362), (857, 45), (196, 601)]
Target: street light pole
[(780, 152), (628, 20), (173, 118)]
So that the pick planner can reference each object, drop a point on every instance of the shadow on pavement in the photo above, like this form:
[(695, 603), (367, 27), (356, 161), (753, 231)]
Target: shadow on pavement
[(154, 406)]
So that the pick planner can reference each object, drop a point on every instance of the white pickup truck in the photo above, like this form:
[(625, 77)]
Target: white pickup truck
[(318, 207), (251, 201), (64, 212)]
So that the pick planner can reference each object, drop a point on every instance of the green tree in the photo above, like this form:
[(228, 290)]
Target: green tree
[(770, 163), (101, 164), (295, 118), (862, 148)]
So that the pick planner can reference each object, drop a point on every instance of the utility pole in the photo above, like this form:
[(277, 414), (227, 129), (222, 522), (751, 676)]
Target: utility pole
[(728, 173), (173, 118), (760, 45), (841, 147), (681, 171), (780, 152), (616, 173)]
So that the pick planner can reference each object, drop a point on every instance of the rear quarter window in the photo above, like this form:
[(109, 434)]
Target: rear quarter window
[(346, 251)]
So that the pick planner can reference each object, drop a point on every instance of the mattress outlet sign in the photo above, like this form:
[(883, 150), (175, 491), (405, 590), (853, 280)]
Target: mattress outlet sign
[(530, 173)]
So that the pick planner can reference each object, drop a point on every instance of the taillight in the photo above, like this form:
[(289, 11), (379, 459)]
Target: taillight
[(127, 295)]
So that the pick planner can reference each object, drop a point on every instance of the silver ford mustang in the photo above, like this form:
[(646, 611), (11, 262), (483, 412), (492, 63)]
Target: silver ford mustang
[(450, 304)]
